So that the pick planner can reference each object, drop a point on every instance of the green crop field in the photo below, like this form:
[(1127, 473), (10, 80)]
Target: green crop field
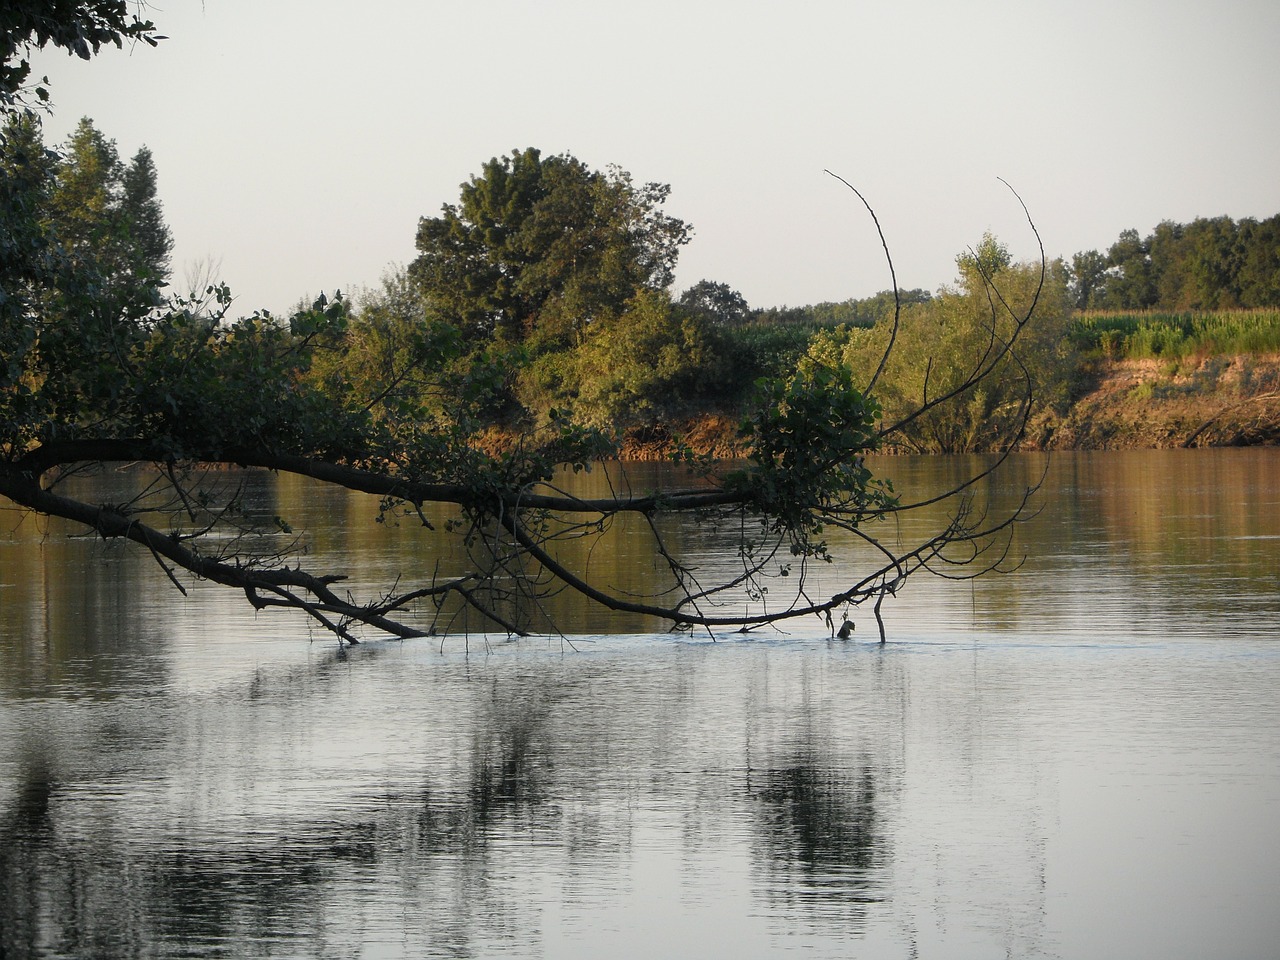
[(1136, 335)]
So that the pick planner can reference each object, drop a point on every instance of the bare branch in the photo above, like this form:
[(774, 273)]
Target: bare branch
[(893, 277)]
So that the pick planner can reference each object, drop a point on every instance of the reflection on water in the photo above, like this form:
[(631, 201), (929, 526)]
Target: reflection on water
[(819, 844), (1080, 760)]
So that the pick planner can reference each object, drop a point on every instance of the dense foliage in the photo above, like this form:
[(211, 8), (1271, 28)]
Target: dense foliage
[(540, 249), (939, 343), (86, 255), (564, 271), (810, 434), (1209, 264), (865, 312)]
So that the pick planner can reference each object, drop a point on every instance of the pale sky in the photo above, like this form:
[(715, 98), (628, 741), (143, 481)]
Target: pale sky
[(299, 141)]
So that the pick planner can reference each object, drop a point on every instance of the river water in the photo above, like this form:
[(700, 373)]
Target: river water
[(1077, 760)]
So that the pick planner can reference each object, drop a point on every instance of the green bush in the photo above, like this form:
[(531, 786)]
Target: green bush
[(941, 342), (747, 353)]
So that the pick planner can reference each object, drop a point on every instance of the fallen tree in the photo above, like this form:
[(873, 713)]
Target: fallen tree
[(182, 392), (180, 385)]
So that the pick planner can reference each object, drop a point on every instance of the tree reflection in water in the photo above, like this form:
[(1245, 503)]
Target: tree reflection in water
[(545, 779), (181, 785), (25, 831), (504, 787), (818, 833), (92, 892)]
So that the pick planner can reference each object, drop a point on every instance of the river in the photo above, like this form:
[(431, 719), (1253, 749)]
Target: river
[(1080, 759)]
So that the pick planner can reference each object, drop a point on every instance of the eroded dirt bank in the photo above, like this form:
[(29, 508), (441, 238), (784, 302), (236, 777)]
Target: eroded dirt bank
[(1135, 404)]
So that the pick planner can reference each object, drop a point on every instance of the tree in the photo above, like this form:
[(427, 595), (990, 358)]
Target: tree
[(150, 237), (72, 281), (107, 212), (193, 392), (983, 262), (1130, 283), (1259, 277), (1211, 263), (535, 266), (639, 368), (1166, 255), (937, 346), (85, 205), (99, 215), (1088, 277), (29, 262), (540, 248), (718, 303)]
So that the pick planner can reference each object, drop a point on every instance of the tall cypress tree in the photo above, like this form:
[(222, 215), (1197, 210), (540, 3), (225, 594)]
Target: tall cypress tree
[(151, 240)]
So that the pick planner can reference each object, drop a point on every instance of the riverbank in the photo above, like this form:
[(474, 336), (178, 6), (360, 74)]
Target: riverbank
[(1119, 405), (1154, 404)]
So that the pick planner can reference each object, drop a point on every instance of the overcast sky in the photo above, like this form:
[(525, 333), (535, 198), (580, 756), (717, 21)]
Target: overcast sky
[(299, 141)]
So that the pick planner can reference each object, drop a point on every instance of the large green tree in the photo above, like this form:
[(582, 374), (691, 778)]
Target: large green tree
[(150, 239), (539, 248), (102, 214), (110, 213), (717, 303), (76, 279), (1131, 283), (1087, 279), (1259, 277), (643, 367)]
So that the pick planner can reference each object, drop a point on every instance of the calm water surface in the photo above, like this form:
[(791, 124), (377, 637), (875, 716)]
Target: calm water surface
[(1080, 760)]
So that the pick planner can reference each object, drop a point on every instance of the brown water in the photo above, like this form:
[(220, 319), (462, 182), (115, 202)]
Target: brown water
[(1079, 760)]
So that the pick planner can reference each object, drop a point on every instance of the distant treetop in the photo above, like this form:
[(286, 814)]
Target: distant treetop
[(1208, 264)]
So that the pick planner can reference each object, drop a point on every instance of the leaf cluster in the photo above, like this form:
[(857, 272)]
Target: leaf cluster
[(81, 27), (808, 437)]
